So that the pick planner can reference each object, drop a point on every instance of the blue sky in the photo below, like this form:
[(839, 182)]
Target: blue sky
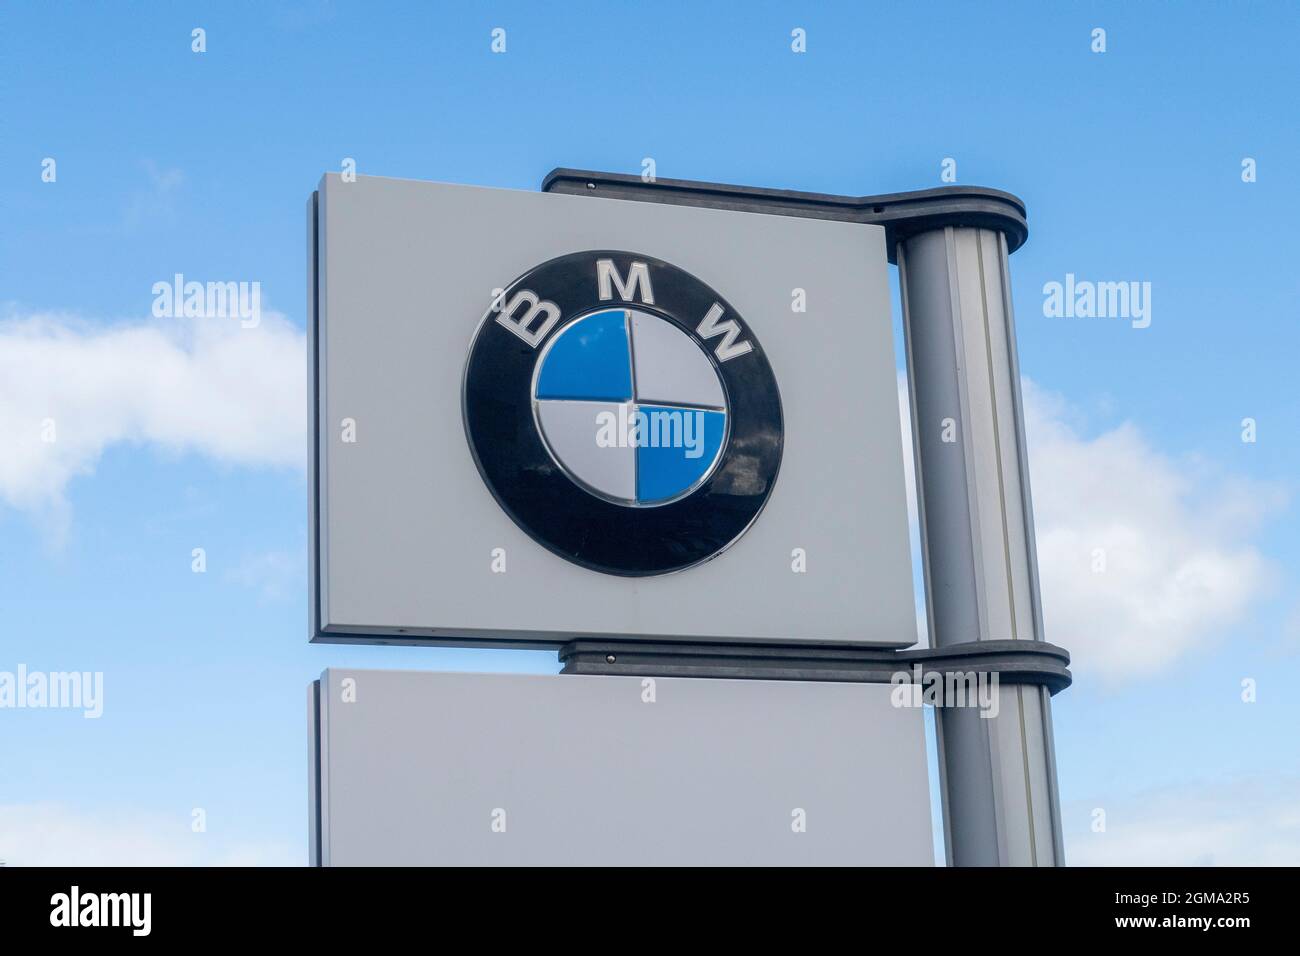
[(170, 161)]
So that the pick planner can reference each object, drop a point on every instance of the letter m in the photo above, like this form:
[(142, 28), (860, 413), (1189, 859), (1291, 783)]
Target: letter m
[(638, 276)]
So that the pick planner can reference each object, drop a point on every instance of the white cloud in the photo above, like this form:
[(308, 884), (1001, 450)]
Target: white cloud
[(1253, 822), (1179, 567), (45, 834), (208, 386), (1180, 570)]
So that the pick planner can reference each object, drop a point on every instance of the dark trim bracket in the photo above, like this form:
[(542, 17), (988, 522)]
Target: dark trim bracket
[(902, 214), (1015, 662)]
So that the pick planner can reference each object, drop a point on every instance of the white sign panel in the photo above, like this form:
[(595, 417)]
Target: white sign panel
[(570, 770), (539, 416)]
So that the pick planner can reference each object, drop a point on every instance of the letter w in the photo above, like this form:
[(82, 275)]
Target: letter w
[(710, 327)]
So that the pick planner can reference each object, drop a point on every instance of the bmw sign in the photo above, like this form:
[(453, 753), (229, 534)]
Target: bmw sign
[(622, 413), (538, 417), (637, 422)]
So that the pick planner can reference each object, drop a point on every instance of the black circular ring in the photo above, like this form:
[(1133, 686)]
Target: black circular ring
[(560, 515)]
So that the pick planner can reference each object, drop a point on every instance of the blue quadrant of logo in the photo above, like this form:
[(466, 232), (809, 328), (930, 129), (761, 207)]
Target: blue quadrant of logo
[(665, 472), (589, 361)]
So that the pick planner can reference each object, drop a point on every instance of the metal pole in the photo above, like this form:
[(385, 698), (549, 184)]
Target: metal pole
[(998, 775)]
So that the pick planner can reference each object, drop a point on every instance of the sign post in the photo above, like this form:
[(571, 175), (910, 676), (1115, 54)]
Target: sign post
[(542, 420)]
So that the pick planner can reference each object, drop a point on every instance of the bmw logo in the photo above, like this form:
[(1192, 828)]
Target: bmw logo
[(622, 413)]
